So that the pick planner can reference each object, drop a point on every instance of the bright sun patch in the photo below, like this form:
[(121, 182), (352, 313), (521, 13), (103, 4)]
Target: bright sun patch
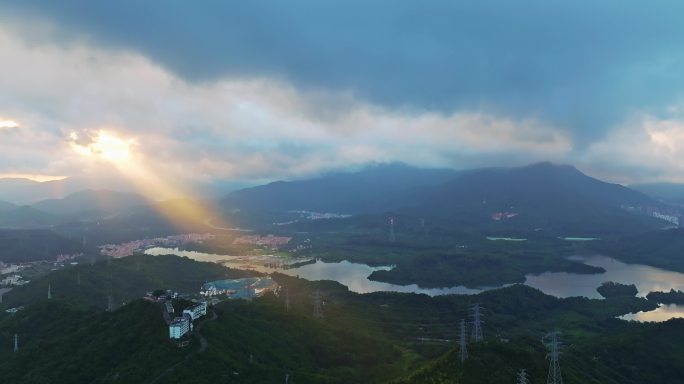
[(104, 145), (8, 124)]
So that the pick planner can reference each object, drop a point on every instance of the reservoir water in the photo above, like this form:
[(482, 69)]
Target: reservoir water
[(353, 275), (559, 284)]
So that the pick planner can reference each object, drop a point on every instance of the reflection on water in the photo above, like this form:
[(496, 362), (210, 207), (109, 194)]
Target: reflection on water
[(559, 284), (353, 275), (199, 256), (663, 313), (646, 279)]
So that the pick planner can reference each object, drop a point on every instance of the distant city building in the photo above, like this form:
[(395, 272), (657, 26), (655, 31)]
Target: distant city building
[(671, 215), (169, 307), (269, 241), (179, 327), (7, 269), (127, 249), (12, 280), (196, 311), (498, 216)]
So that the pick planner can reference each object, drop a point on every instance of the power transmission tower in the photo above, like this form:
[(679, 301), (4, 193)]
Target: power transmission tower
[(16, 342), (554, 345), (318, 307), (462, 341), (78, 277), (477, 323), (422, 225), (522, 377), (392, 237), (287, 299), (110, 303), (49, 291), (287, 378)]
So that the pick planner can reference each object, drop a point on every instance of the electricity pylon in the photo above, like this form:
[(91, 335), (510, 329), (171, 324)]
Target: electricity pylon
[(318, 306), (522, 377), (477, 323), (287, 299), (463, 353), (554, 376), (392, 237)]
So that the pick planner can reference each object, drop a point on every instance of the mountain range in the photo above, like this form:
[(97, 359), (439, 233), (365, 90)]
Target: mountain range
[(543, 195)]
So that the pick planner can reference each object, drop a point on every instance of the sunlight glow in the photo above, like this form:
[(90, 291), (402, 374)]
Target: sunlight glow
[(31, 176), (185, 210), (104, 145), (8, 124)]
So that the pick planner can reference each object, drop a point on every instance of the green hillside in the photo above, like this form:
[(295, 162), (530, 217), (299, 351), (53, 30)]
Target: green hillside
[(61, 342), (127, 279)]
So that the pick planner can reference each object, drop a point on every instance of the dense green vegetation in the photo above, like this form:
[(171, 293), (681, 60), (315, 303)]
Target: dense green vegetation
[(23, 245), (612, 289), (60, 341), (437, 255), (671, 297), (372, 338), (441, 231), (124, 279), (661, 249)]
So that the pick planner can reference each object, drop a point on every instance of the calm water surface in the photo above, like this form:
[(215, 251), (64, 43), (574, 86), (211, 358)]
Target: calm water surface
[(559, 284)]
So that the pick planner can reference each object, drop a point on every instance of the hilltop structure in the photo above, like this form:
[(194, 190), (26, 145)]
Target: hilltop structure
[(180, 326)]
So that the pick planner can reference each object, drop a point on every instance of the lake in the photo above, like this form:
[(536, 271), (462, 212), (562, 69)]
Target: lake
[(559, 284), (353, 275)]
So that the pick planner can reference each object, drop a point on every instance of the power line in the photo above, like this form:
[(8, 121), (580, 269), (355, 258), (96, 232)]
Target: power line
[(554, 376)]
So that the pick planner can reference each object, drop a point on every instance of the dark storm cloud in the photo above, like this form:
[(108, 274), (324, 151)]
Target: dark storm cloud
[(581, 65)]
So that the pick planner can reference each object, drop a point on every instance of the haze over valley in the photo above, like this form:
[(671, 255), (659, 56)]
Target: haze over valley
[(384, 192)]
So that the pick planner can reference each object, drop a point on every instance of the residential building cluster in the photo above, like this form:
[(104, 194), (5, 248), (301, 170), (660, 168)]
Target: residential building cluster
[(245, 288), (13, 280), (66, 257), (9, 268), (311, 215), (129, 248), (270, 241), (671, 215), (500, 216)]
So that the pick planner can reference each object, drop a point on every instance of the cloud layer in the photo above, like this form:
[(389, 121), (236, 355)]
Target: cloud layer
[(241, 91)]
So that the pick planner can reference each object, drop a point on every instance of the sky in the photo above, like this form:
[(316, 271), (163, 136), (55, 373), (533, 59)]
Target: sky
[(260, 90)]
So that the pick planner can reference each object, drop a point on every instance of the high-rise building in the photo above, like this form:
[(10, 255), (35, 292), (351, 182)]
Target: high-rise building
[(179, 327)]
